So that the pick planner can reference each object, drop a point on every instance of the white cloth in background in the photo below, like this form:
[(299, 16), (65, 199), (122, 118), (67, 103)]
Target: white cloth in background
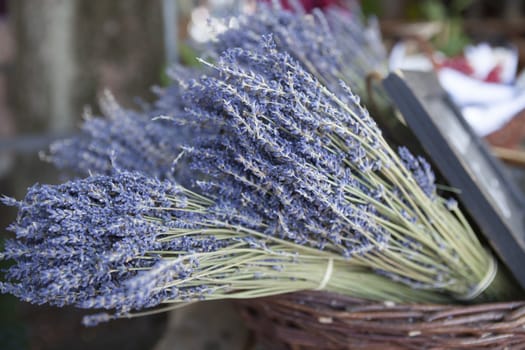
[(486, 106)]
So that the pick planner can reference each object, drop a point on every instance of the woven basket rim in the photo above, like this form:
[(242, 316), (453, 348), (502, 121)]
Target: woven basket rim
[(324, 320)]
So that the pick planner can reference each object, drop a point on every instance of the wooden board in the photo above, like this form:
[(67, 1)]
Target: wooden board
[(492, 200)]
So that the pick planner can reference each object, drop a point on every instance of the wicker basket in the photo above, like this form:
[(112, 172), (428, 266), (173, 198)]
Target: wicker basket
[(319, 320)]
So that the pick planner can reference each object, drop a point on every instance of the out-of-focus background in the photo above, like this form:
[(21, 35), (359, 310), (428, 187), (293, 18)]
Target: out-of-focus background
[(58, 56)]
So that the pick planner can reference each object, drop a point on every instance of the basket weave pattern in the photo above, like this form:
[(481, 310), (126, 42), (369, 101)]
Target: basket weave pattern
[(319, 320)]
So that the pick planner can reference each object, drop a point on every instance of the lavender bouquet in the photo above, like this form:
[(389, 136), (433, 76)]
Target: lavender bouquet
[(318, 168), (331, 45), (294, 188), (129, 242)]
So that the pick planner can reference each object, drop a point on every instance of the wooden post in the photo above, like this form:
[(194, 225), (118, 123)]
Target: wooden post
[(70, 50)]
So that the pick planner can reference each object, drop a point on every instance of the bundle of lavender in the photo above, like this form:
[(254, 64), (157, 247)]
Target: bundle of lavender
[(319, 172), (128, 139), (129, 242), (334, 44)]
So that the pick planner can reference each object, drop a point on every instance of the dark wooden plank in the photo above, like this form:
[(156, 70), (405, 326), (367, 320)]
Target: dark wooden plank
[(492, 200)]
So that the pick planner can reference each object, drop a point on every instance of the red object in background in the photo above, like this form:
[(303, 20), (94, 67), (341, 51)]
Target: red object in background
[(494, 75), (308, 5), (458, 63)]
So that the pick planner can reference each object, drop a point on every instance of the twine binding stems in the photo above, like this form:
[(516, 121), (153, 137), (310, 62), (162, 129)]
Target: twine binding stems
[(485, 282), (327, 275)]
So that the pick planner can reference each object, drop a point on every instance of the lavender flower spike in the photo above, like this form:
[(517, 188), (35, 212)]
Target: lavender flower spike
[(125, 139), (79, 239)]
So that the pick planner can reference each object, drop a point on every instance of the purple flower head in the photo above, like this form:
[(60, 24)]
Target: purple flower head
[(79, 242), (126, 140), (331, 45), (283, 149), (451, 204), (421, 171)]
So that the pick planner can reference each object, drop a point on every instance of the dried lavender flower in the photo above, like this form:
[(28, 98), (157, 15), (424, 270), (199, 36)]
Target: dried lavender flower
[(324, 43), (124, 139), (317, 170), (333, 44), (71, 239)]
